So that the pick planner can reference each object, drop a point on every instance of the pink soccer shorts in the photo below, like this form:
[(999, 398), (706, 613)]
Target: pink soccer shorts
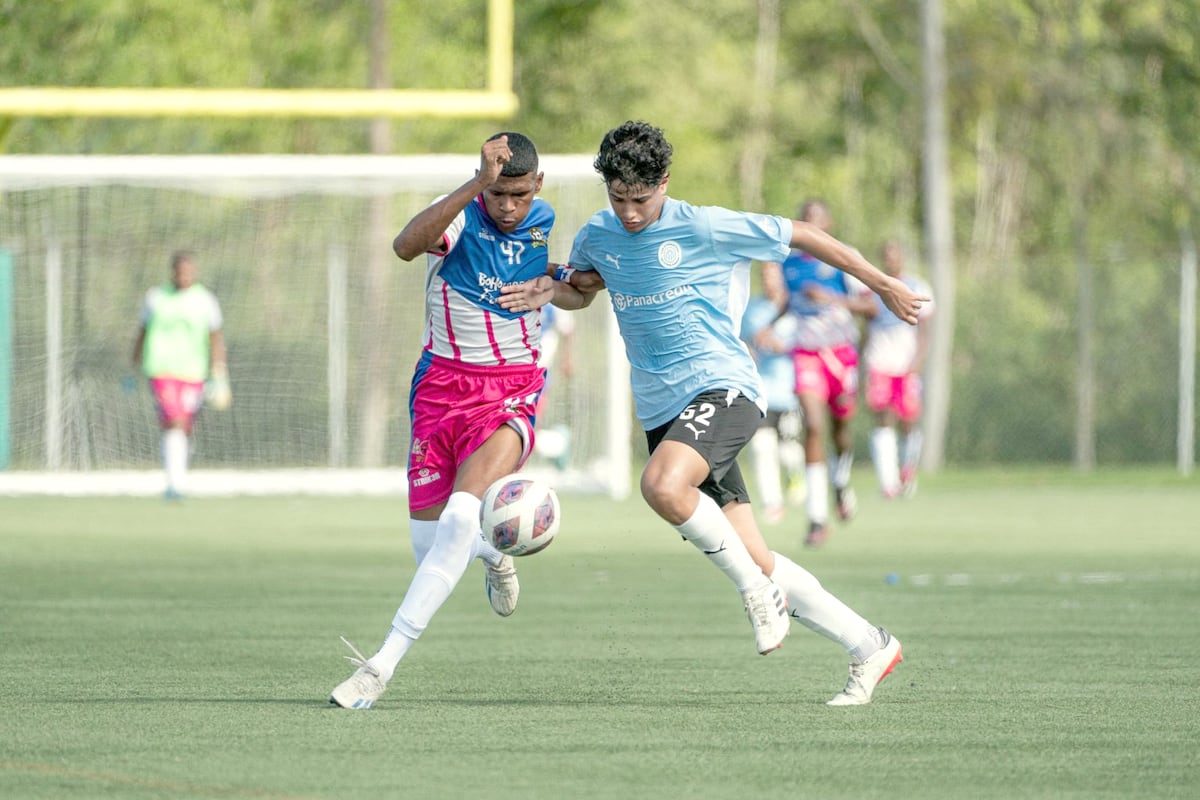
[(899, 393), (831, 373), (455, 407), (177, 401)]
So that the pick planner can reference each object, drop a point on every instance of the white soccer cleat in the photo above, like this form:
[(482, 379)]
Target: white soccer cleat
[(502, 586), (866, 676), (360, 690), (767, 609)]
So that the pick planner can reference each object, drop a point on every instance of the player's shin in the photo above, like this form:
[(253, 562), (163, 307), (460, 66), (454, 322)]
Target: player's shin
[(711, 533), (442, 567), (814, 607), (886, 458)]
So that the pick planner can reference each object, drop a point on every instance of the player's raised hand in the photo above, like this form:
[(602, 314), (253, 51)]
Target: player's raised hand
[(903, 301), (492, 158), (527, 296)]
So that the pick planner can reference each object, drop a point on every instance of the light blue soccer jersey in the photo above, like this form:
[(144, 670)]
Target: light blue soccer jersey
[(777, 369), (679, 288)]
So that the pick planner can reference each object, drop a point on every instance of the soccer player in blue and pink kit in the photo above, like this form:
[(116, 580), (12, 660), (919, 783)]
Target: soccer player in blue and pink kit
[(894, 355), (824, 301), (678, 277), (475, 389)]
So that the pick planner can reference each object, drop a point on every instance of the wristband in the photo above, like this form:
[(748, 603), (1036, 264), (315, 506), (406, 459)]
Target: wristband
[(563, 273)]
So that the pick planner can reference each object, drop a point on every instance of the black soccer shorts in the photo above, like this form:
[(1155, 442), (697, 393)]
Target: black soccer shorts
[(717, 426)]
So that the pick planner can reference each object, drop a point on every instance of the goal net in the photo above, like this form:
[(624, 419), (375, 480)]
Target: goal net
[(322, 321)]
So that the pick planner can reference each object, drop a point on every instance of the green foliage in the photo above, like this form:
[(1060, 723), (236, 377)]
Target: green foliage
[(1066, 119)]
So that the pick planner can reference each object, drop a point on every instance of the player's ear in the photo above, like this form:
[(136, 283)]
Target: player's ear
[(537, 184)]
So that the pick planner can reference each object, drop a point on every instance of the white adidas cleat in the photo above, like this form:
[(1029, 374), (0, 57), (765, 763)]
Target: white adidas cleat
[(502, 586), (360, 690), (865, 676), (766, 606)]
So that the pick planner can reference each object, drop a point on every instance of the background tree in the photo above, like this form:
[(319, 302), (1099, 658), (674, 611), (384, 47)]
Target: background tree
[(1072, 150)]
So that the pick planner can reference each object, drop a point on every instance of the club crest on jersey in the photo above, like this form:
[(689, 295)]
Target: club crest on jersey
[(670, 254), (537, 238)]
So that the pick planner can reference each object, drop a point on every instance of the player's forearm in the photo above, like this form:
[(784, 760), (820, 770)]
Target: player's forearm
[(139, 345), (813, 240), (216, 349), (572, 289), (568, 297), (423, 232)]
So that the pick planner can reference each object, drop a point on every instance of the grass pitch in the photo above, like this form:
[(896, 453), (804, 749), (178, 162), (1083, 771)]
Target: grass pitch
[(1049, 624)]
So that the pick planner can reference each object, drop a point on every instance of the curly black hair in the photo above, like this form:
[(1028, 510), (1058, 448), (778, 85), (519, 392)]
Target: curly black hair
[(524, 155), (636, 153)]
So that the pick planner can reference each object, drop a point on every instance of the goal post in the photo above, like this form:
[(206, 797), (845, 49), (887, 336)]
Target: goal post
[(283, 242)]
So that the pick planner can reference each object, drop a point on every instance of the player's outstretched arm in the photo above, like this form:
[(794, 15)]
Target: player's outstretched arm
[(139, 344), (903, 301), (424, 231)]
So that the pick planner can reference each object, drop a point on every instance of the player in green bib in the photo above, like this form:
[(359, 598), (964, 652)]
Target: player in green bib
[(179, 346)]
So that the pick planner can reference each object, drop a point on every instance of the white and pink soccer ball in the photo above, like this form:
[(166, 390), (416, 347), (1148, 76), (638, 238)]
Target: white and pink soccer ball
[(519, 515)]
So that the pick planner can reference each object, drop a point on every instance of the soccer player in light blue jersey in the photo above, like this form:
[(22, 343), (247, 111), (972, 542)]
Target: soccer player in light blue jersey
[(678, 277), (775, 451)]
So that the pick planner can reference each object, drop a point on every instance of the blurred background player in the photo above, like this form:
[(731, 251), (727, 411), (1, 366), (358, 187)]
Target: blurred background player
[(894, 355), (474, 390), (823, 301), (776, 455), (179, 345)]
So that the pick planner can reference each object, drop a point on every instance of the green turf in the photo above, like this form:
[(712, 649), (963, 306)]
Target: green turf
[(1049, 621)]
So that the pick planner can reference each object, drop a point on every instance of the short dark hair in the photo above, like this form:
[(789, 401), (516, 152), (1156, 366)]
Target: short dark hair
[(180, 256), (524, 155), (635, 153)]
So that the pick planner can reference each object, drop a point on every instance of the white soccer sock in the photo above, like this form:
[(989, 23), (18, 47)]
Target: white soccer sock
[(841, 469), (423, 533), (887, 459), (912, 448), (487, 551), (764, 453), (440, 571), (791, 456), (175, 457), (710, 531), (816, 476), (815, 608)]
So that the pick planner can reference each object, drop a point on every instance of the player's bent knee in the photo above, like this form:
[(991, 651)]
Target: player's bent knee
[(458, 522), (667, 497)]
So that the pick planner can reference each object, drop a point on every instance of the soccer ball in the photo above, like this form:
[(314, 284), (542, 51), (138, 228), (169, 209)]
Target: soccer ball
[(519, 515)]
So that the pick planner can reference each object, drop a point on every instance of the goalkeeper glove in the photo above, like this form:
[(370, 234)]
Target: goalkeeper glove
[(217, 392)]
